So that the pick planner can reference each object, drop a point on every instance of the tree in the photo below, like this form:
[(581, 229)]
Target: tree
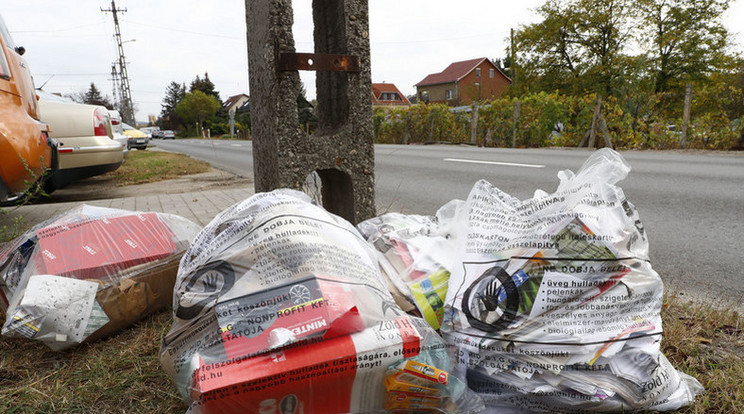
[(305, 110), (197, 107), (91, 97), (686, 38), (205, 85), (174, 93), (578, 45)]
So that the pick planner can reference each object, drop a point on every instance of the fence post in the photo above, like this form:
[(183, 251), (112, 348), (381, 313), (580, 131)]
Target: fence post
[(595, 119), (686, 114), (515, 122), (474, 125)]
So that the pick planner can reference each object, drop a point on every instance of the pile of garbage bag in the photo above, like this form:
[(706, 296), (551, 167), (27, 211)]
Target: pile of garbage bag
[(552, 304), (494, 305), (279, 306), (90, 272)]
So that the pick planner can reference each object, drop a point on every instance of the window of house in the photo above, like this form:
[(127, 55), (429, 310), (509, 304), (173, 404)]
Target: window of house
[(491, 73), (395, 97), (448, 94), (477, 72)]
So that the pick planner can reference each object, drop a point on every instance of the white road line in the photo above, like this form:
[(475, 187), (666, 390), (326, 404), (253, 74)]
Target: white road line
[(236, 145), (508, 164)]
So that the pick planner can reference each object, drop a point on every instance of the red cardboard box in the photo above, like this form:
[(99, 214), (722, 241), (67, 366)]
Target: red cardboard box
[(338, 375), (97, 248)]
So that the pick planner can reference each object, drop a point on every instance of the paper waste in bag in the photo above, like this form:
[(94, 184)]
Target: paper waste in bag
[(280, 305), (89, 272), (553, 305)]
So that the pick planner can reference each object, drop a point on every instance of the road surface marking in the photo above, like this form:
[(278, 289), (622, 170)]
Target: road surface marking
[(236, 145), (509, 164)]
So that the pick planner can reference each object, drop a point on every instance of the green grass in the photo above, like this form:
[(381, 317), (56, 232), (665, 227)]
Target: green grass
[(151, 166), (122, 373)]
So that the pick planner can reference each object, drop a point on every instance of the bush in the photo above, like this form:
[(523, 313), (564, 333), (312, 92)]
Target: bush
[(552, 119)]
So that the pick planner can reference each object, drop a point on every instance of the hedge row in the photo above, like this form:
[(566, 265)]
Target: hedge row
[(551, 119)]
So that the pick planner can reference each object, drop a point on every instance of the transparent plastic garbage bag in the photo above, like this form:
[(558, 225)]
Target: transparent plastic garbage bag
[(90, 272), (553, 305), (280, 305)]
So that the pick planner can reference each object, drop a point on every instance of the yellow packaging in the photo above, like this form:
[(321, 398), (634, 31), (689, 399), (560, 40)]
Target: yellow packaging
[(426, 372), (394, 383), (405, 401)]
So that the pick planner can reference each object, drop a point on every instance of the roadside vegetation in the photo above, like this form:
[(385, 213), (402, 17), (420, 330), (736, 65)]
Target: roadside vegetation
[(151, 166), (122, 373)]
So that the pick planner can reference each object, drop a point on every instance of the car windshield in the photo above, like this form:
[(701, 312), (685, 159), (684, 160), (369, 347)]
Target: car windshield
[(47, 96), (4, 70)]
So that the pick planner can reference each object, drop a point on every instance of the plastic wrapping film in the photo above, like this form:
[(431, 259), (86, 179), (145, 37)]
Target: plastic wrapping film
[(552, 304), (415, 254), (279, 306), (90, 272)]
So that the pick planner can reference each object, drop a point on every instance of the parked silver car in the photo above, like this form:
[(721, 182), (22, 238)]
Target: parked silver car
[(85, 138)]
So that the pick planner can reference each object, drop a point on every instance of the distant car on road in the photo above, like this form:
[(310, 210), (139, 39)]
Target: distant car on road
[(26, 151), (152, 132), (137, 139), (85, 139), (168, 134)]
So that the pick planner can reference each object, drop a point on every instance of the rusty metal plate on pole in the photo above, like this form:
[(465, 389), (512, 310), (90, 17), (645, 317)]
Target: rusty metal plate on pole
[(318, 62)]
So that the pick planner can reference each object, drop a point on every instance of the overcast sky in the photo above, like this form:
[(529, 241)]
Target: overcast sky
[(70, 44)]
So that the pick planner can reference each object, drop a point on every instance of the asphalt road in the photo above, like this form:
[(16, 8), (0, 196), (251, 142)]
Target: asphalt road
[(691, 203)]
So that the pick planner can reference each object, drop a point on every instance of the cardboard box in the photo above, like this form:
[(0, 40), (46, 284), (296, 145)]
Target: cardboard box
[(337, 375), (97, 248)]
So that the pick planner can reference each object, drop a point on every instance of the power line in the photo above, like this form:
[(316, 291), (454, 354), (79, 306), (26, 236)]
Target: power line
[(126, 106)]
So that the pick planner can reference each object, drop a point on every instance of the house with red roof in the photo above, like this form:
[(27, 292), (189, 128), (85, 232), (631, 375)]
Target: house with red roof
[(463, 83), (387, 94)]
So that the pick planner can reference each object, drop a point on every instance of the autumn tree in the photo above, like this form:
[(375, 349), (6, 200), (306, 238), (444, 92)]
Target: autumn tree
[(578, 45), (686, 38)]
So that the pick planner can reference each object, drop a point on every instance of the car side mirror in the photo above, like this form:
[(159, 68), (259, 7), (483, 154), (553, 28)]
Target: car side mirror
[(20, 50)]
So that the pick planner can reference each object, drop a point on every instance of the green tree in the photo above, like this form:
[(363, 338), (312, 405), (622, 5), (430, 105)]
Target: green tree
[(197, 107), (577, 46), (205, 85), (174, 93), (305, 110), (94, 97), (686, 39)]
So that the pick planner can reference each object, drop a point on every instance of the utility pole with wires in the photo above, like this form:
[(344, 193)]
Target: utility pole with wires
[(126, 106), (115, 81)]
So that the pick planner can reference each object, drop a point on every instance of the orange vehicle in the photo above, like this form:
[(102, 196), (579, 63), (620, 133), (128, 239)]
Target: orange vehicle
[(25, 149)]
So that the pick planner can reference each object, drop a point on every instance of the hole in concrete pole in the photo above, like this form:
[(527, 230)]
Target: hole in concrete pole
[(302, 30), (336, 192)]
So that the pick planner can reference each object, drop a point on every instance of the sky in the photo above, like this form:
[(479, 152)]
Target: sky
[(70, 44)]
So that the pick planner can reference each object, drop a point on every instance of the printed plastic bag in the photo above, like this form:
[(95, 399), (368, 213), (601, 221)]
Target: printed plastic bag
[(90, 272), (553, 305), (415, 257), (280, 306)]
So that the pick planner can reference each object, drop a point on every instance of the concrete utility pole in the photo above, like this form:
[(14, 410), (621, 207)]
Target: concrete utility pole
[(126, 106), (341, 149)]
